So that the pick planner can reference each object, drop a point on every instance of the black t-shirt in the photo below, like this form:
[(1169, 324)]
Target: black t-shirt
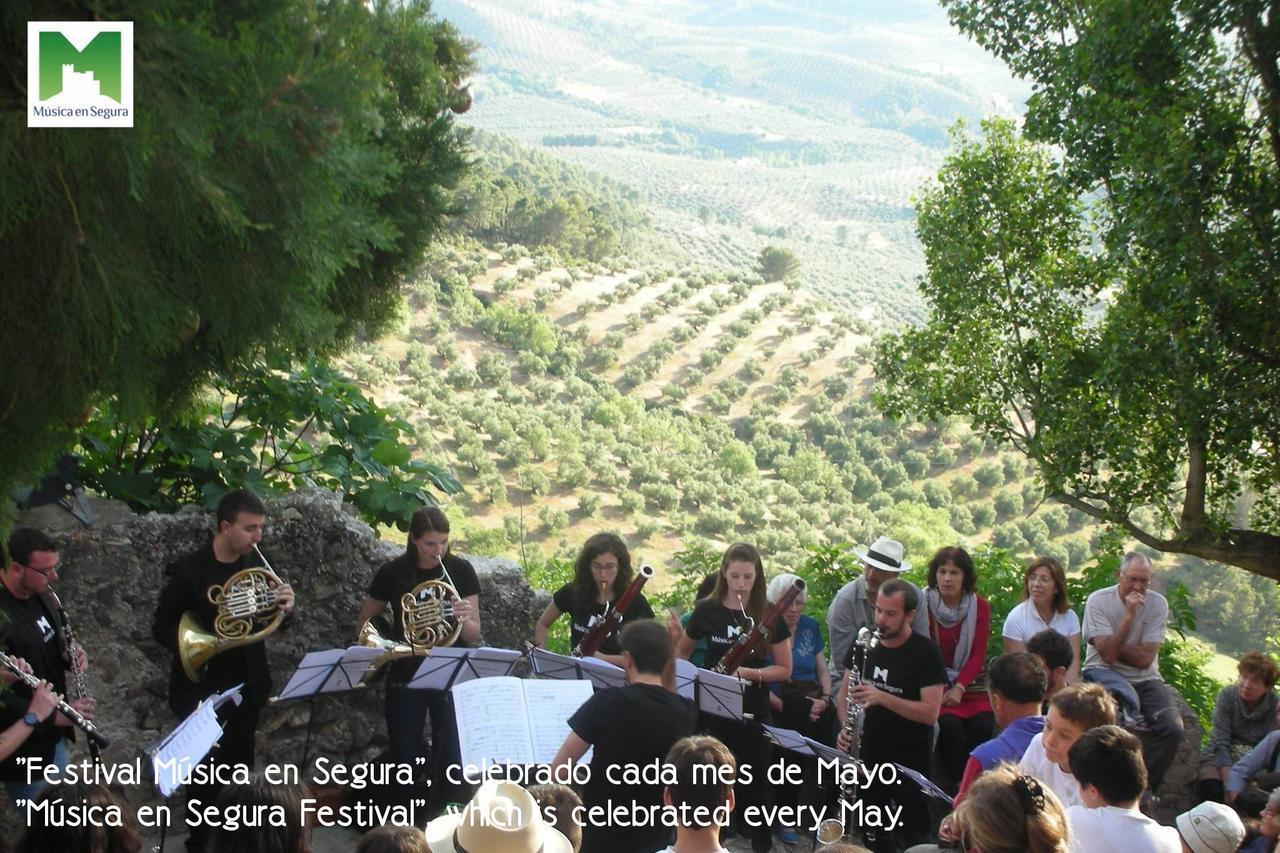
[(903, 671), (31, 632), (632, 725), (402, 575), (583, 617), (721, 627)]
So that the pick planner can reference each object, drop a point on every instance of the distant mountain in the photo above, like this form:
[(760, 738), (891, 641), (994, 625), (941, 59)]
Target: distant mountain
[(742, 124)]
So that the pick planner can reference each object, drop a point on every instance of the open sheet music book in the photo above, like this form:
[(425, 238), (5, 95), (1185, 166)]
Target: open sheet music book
[(514, 720)]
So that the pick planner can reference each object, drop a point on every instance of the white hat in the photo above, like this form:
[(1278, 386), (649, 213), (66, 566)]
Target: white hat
[(1211, 828), (501, 818), (884, 554)]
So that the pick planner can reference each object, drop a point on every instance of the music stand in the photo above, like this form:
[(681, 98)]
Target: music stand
[(925, 783), (789, 739), (328, 671), (600, 673), (719, 694), (686, 680), (175, 755), (447, 665)]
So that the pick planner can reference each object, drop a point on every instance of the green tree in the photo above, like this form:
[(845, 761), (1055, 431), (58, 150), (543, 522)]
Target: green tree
[(1165, 115), (777, 264), (279, 184)]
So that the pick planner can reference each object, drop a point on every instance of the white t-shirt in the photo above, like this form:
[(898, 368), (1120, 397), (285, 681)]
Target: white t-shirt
[(1036, 763), (1023, 623), (1103, 613), (1111, 829)]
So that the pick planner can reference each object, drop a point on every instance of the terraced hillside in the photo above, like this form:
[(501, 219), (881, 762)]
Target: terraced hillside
[(747, 123), (679, 407)]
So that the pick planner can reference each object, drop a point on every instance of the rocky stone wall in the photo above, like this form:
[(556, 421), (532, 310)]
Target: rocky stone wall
[(111, 575)]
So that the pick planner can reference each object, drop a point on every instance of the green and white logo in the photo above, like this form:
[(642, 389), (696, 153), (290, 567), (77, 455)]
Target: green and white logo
[(79, 74)]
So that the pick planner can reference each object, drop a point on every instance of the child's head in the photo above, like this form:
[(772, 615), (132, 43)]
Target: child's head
[(558, 803), (1072, 712), (705, 771), (1107, 762), (393, 839)]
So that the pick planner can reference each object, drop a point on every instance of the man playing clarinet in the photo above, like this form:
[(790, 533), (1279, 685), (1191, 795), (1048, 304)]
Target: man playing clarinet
[(32, 633)]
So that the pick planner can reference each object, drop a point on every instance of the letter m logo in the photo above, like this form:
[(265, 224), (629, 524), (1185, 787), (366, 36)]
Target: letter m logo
[(879, 673), (100, 57)]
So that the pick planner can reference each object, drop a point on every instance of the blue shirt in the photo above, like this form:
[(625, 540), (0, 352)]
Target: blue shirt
[(1010, 744), (806, 645)]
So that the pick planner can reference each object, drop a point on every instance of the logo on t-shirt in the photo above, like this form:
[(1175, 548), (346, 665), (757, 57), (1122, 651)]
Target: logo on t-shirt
[(732, 631), (46, 630), (879, 673)]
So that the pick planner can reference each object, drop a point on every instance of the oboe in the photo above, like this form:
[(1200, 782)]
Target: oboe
[(77, 719), (77, 685), (832, 830)]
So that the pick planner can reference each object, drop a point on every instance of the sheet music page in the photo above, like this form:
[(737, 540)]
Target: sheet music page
[(185, 747), (310, 669), (489, 662), (355, 663), (493, 721), (602, 673), (550, 705)]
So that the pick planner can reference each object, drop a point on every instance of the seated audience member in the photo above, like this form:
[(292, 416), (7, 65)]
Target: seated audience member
[(1010, 812), (702, 806), (292, 837), (1072, 712), (1268, 828), (44, 835), (676, 625), (501, 816), (1124, 628), (558, 803), (633, 725), (1107, 762), (803, 702), (393, 839), (1017, 683), (1251, 778), (1044, 607), (841, 847), (1244, 714), (1054, 652), (960, 622), (1211, 828)]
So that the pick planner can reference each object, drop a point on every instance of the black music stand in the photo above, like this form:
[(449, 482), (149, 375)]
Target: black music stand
[(446, 666), (179, 752), (328, 671), (599, 672), (718, 694)]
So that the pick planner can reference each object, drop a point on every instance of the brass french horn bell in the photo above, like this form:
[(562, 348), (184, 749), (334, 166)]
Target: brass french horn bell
[(247, 613)]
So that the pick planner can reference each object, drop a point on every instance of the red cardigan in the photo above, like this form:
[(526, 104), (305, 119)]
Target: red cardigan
[(974, 702)]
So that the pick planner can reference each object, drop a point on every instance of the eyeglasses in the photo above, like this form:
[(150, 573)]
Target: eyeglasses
[(604, 567), (52, 570)]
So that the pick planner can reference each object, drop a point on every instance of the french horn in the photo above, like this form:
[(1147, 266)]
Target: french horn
[(247, 613), (427, 620)]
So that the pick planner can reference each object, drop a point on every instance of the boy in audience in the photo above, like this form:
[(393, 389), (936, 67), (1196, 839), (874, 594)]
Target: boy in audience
[(1107, 763), (1213, 828), (1072, 712), (1017, 683), (1054, 652), (702, 794), (558, 803)]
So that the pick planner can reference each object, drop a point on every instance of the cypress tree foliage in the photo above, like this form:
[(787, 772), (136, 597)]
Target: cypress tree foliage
[(289, 161)]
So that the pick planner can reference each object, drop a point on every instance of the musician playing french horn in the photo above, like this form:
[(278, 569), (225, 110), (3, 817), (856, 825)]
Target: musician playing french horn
[(241, 517), (31, 633), (426, 558)]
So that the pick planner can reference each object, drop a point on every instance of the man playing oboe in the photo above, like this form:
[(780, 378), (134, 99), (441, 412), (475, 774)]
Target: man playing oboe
[(32, 633)]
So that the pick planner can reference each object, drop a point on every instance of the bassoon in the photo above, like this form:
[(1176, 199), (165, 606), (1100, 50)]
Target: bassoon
[(599, 632), (749, 641)]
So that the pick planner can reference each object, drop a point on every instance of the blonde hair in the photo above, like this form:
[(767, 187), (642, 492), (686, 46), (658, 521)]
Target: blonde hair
[(1007, 812)]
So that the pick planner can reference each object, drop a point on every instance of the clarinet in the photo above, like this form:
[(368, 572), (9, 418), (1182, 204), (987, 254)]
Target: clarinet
[(77, 719), (593, 639), (833, 829), (77, 685)]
